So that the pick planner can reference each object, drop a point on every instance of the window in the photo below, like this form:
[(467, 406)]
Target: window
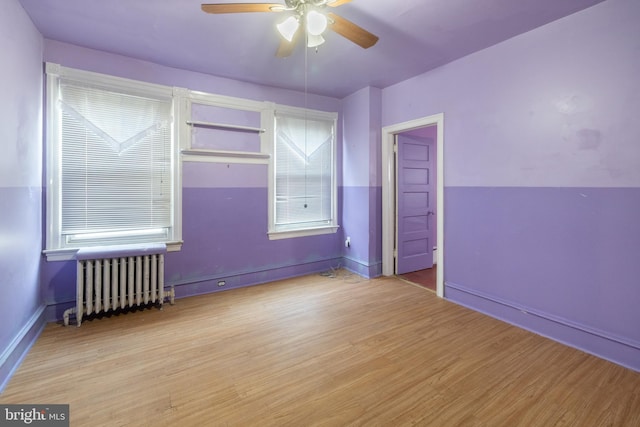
[(111, 161), (303, 193)]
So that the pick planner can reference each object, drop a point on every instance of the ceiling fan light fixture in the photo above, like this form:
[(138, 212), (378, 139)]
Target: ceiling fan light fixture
[(311, 15), (316, 22), (288, 28), (314, 41)]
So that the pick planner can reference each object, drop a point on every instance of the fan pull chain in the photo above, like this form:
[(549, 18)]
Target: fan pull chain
[(306, 72)]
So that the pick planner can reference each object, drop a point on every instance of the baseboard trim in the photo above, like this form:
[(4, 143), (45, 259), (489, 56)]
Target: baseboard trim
[(209, 284), (607, 346), (362, 268), (12, 356)]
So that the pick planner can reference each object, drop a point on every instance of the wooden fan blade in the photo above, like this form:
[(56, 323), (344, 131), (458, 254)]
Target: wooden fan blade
[(242, 7), (336, 3), (351, 31)]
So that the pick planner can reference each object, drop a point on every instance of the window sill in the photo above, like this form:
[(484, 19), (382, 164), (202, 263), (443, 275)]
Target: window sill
[(69, 254), (289, 234)]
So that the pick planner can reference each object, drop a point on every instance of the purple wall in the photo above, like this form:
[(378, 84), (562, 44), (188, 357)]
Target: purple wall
[(362, 192), (225, 233), (21, 306), (542, 177), (224, 205)]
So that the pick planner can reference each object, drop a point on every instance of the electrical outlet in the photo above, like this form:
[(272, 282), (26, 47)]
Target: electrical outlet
[(221, 283), (347, 243)]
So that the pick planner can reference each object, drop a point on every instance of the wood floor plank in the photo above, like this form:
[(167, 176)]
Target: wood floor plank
[(320, 351)]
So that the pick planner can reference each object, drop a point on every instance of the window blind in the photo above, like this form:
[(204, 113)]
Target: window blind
[(116, 165), (303, 172)]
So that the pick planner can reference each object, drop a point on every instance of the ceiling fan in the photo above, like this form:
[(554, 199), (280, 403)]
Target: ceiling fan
[(306, 14)]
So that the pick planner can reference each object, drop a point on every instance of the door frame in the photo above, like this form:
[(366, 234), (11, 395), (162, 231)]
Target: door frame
[(389, 185)]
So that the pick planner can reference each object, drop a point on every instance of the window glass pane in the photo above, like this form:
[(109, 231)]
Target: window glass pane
[(116, 176), (303, 172)]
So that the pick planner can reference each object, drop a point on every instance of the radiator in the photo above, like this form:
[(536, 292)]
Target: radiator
[(118, 277)]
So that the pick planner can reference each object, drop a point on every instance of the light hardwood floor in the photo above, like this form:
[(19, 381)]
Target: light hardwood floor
[(320, 351)]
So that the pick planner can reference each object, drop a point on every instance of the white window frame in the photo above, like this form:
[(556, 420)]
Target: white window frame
[(312, 231), (56, 249)]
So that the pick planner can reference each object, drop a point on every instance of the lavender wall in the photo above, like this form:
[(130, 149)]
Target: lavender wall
[(20, 185), (225, 233), (542, 177), (362, 193), (224, 205)]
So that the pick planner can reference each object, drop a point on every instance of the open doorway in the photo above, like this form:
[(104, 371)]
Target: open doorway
[(390, 194)]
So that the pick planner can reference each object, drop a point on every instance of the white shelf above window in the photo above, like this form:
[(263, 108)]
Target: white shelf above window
[(225, 126), (216, 144)]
